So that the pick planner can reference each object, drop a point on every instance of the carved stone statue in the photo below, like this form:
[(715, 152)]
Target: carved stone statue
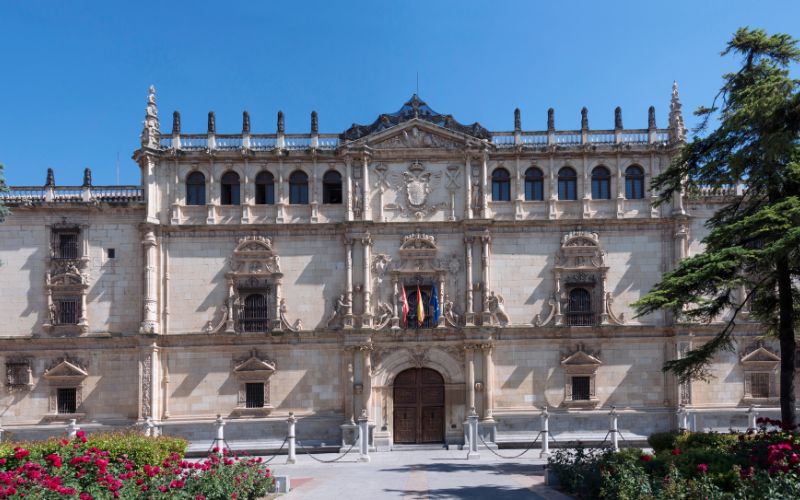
[(358, 205), (497, 308), (384, 315), (53, 314), (339, 310), (450, 316), (477, 197)]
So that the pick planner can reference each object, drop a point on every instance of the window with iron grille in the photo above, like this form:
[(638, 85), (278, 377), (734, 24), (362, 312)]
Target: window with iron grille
[(579, 310), (68, 310), (67, 399), (581, 388), (759, 385), (412, 321), (66, 245), (18, 374), (254, 395), (254, 313)]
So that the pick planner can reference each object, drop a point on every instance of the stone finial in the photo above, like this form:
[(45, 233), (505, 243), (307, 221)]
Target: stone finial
[(176, 123), (651, 117), (212, 123), (676, 115), (314, 123), (584, 118), (51, 178), (150, 130), (517, 120), (87, 177), (551, 120), (618, 118), (281, 125), (245, 122)]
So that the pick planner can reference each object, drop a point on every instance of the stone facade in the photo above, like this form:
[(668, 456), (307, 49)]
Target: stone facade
[(274, 284)]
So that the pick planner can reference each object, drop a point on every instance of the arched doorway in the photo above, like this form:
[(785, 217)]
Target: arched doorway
[(418, 406)]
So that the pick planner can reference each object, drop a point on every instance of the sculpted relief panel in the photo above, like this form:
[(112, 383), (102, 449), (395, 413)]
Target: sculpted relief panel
[(416, 191)]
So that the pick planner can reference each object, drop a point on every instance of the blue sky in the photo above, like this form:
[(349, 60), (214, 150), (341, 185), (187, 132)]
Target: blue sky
[(75, 75)]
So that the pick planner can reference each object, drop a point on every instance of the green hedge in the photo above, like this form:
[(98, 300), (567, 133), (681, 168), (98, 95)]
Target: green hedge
[(137, 448)]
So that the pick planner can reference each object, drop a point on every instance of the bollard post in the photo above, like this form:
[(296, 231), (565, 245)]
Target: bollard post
[(72, 429), (473, 435), (363, 436), (2, 431), (149, 429), (291, 458), (613, 428), (683, 419), (752, 415), (545, 434), (219, 440)]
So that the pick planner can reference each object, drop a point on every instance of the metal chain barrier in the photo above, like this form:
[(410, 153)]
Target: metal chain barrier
[(305, 450), (277, 452), (515, 456)]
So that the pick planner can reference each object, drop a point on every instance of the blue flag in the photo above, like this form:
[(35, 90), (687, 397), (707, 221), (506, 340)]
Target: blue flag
[(435, 305)]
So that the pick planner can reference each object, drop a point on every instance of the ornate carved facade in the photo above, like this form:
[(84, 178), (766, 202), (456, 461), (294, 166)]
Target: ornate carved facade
[(473, 266)]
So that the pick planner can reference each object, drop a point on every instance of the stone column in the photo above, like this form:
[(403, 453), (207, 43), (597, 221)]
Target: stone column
[(366, 317), (395, 317), (358, 395), (366, 380), (484, 185), (150, 315), (348, 391), (469, 315), (280, 199), (469, 358), (276, 321), (488, 382), (485, 240), (348, 316), (468, 187), (348, 189), (366, 211), (620, 190), (552, 188)]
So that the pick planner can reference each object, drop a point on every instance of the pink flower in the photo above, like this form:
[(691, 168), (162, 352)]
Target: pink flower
[(80, 434), (702, 468), (646, 458), (54, 460), (20, 453), (676, 451)]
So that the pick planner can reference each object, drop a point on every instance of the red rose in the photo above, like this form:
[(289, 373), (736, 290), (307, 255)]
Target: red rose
[(702, 468), (676, 451), (646, 458)]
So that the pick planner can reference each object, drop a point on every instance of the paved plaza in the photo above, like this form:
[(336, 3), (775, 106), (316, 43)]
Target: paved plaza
[(418, 475)]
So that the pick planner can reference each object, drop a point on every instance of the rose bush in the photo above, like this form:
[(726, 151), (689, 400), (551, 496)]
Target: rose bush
[(58, 469)]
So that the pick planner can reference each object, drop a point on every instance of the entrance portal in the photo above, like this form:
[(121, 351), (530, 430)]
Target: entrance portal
[(418, 406)]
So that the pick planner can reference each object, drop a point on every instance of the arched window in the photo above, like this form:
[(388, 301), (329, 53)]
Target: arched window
[(634, 183), (567, 184), (298, 188), (230, 188), (265, 188), (332, 187), (601, 184), (579, 312), (254, 314), (534, 184), (501, 185), (196, 189)]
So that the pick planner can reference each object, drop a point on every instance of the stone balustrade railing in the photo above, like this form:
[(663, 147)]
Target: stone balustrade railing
[(566, 138), (71, 194)]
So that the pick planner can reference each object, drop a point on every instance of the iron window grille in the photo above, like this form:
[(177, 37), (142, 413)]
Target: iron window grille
[(68, 311), (759, 385), (581, 388), (254, 394), (230, 189), (601, 184), (634, 183), (66, 400), (66, 246), (254, 313), (298, 188), (579, 311), (18, 374)]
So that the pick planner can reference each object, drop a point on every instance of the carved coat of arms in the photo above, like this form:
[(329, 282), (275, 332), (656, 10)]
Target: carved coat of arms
[(417, 185)]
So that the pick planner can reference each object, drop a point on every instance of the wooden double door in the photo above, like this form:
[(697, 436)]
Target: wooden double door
[(418, 406)]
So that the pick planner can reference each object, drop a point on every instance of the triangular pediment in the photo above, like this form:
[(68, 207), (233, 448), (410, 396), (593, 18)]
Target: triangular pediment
[(417, 134), (580, 358), (254, 365), (760, 355), (66, 370)]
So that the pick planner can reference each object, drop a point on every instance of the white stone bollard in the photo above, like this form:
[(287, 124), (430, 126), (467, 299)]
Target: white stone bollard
[(291, 457), (473, 435), (149, 427), (219, 440), (612, 416), (363, 436), (683, 419), (752, 416), (545, 434), (72, 429)]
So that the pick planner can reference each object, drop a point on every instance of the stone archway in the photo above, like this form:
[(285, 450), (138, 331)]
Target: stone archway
[(390, 362), (418, 396)]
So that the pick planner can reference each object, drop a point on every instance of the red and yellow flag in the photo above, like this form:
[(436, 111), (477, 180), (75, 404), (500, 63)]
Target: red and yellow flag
[(420, 308), (405, 304)]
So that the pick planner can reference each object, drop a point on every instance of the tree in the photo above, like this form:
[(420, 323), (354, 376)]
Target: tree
[(3, 209), (754, 239)]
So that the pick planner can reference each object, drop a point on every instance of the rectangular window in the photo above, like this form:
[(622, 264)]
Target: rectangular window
[(17, 374), (67, 400), (111, 253), (580, 388), (759, 385), (68, 310), (66, 246), (254, 395), (265, 194)]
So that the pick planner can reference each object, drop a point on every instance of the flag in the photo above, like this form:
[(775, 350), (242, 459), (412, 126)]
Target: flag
[(405, 305), (420, 308), (435, 305)]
